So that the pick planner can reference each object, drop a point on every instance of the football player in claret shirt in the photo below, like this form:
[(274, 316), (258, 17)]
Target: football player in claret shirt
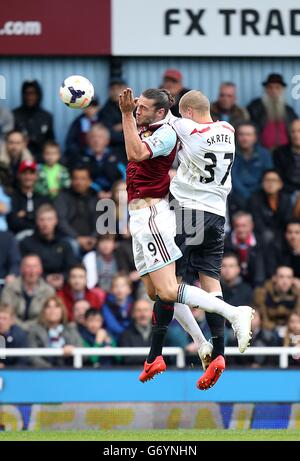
[(151, 149)]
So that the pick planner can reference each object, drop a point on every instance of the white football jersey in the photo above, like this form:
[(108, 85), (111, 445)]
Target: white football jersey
[(206, 154)]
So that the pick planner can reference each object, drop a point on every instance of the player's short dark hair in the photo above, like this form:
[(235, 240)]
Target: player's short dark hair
[(163, 98), (92, 312)]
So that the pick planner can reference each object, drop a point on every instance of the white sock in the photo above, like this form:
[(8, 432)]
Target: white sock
[(184, 316), (196, 297)]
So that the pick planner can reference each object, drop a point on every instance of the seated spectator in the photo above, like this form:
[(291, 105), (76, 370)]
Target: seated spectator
[(13, 152), (110, 115), (118, 305), (235, 291), (226, 108), (14, 335), (103, 263), (25, 201), (277, 298), (138, 333), (261, 337), (76, 137), (94, 335), (76, 289), (76, 210), (242, 241), (286, 253), (251, 161), (47, 241), (10, 258), (35, 122), (271, 114), (53, 177), (104, 161), (51, 330), (287, 160), (27, 293), (292, 337), (79, 309), (271, 208), (6, 122), (172, 81)]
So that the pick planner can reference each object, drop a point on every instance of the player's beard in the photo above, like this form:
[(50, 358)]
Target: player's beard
[(275, 107)]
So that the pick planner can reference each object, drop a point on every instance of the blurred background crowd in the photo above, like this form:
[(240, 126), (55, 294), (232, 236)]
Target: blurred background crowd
[(64, 285)]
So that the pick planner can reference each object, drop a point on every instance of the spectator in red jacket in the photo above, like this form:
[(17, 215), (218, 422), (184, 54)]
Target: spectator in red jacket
[(76, 288)]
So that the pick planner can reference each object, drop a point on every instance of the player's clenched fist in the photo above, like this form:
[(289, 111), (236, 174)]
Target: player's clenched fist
[(127, 102)]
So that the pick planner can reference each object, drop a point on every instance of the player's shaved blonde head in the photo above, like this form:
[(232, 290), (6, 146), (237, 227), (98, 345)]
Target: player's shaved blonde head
[(195, 100)]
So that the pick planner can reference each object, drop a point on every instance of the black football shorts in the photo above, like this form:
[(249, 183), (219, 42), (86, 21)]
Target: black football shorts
[(200, 237)]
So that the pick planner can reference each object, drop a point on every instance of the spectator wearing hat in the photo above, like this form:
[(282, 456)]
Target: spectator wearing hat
[(25, 201), (12, 152), (36, 123), (271, 114), (225, 107), (172, 81), (76, 139), (110, 115), (287, 160)]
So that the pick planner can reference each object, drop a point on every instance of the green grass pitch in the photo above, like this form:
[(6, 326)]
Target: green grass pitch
[(155, 435)]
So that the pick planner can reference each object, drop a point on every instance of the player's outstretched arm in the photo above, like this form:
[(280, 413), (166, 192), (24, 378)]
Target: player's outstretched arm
[(135, 149)]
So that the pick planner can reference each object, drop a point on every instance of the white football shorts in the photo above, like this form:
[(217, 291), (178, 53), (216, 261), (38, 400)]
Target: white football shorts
[(153, 230)]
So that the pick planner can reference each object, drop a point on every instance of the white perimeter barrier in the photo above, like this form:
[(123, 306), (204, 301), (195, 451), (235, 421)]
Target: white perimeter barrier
[(79, 353)]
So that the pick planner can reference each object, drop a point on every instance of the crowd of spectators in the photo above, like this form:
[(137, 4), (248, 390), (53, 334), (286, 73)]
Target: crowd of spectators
[(65, 282)]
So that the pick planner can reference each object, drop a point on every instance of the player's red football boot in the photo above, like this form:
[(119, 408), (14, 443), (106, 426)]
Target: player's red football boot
[(152, 369), (212, 374)]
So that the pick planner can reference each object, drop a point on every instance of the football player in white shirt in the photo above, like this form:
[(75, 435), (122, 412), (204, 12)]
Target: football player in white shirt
[(198, 194)]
